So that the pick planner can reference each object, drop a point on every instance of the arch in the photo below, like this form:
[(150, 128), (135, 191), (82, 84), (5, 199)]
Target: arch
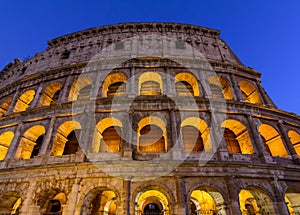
[(295, 140), (237, 137), (152, 135), (107, 136), (150, 83), (220, 87), (54, 205), (67, 134), (5, 141), (24, 101), (254, 200), (100, 199), (272, 140), (5, 105), (30, 142), (186, 84), (195, 134), (250, 93), (50, 94), (80, 89), (152, 196), (10, 203), (51, 200), (292, 199), (114, 85), (207, 200)]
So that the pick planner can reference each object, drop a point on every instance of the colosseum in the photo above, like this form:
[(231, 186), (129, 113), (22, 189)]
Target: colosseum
[(143, 119)]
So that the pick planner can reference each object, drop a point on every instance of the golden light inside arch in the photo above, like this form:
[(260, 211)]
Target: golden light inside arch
[(144, 196), (295, 139), (24, 101), (150, 76), (203, 200), (47, 96), (273, 140), (61, 197), (201, 125), (250, 93), (4, 106), (5, 141), (111, 79), (223, 85), (28, 140), (100, 128), (191, 79), (242, 135), (61, 136), (246, 197), (77, 85)]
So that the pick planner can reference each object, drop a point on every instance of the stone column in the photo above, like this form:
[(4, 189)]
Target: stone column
[(279, 196), (170, 84), (97, 85), (72, 199), (203, 82), (14, 101), (265, 99), (236, 88), (127, 146), (233, 194), (37, 96), (47, 137), (182, 201), (15, 142), (27, 204), (258, 142), (287, 142), (177, 143), (63, 97), (130, 86), (126, 200)]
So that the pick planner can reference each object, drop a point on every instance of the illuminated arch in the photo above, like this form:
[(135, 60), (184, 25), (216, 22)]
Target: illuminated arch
[(5, 141), (107, 136), (150, 83), (237, 137), (203, 203), (192, 138), (24, 101), (51, 200), (80, 89), (220, 87), (10, 203), (250, 93), (295, 140), (30, 142), (292, 197), (63, 137), (50, 94), (186, 84), (5, 105), (254, 200), (152, 141), (114, 85), (100, 199), (272, 140), (152, 196)]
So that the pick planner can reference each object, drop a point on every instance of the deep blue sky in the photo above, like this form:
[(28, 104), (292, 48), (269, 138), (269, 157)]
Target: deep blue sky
[(265, 34)]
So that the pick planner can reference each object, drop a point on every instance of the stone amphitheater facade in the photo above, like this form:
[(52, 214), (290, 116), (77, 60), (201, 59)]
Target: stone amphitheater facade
[(143, 118)]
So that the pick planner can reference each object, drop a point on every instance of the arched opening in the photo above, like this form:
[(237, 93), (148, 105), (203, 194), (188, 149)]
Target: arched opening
[(186, 84), (24, 101), (292, 200), (152, 202), (50, 94), (5, 105), (207, 200), (114, 85), (255, 201), (55, 204), (5, 141), (237, 137), (220, 88), (66, 140), (295, 140), (272, 140), (10, 203), (100, 201), (195, 135), (152, 135), (150, 84), (30, 142), (107, 136), (80, 89), (250, 93)]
